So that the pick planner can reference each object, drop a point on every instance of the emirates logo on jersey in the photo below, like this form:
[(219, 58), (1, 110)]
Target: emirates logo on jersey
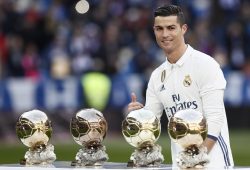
[(180, 104), (187, 81)]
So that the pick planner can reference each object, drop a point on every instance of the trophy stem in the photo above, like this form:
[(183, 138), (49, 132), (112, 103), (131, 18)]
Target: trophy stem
[(192, 150)]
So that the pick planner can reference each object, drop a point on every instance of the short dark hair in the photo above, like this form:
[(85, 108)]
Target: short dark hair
[(171, 10)]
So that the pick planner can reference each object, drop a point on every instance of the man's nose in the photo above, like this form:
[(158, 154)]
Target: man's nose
[(165, 33)]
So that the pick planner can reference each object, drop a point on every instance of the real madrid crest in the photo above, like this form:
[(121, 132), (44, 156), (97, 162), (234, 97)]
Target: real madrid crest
[(187, 81)]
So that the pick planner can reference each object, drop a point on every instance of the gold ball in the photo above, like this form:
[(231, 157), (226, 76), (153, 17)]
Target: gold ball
[(88, 127), (141, 127), (33, 128), (188, 127)]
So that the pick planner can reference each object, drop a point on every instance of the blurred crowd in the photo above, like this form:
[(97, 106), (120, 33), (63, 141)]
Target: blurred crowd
[(48, 38)]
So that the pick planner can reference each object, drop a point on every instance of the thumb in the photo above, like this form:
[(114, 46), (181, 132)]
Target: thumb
[(133, 97)]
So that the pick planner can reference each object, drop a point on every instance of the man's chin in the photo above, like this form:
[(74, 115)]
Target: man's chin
[(167, 49)]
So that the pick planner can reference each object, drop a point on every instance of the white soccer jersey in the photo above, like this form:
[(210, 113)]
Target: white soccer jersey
[(195, 81)]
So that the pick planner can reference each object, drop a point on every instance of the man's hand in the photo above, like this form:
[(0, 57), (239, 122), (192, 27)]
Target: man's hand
[(134, 105)]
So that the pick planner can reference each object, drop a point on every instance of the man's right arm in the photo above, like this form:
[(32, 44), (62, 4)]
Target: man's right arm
[(152, 101)]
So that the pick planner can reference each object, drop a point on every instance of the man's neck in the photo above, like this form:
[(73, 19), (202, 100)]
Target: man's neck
[(177, 54)]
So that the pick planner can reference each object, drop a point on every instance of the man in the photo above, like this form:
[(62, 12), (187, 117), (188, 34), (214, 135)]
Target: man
[(187, 79)]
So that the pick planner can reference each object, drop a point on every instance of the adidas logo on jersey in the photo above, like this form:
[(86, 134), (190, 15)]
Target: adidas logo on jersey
[(162, 88)]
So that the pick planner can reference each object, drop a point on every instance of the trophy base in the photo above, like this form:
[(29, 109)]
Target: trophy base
[(148, 156), (43, 156), (193, 157), (77, 164), (93, 156)]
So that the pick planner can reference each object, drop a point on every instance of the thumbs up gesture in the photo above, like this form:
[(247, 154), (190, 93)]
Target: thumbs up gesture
[(134, 105)]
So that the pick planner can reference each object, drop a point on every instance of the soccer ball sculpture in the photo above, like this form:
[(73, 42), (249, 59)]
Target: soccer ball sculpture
[(88, 128), (141, 129), (189, 129), (34, 130)]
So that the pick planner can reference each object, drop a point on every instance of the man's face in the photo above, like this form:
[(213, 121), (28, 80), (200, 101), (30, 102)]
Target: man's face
[(169, 33)]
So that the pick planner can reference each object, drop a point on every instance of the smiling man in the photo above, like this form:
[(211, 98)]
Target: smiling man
[(188, 79)]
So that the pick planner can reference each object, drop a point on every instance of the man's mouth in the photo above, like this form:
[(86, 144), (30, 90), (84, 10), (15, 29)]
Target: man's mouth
[(166, 41)]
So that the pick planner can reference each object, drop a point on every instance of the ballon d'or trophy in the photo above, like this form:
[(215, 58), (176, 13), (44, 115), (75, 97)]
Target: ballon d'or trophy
[(141, 129), (88, 128), (34, 130), (189, 129)]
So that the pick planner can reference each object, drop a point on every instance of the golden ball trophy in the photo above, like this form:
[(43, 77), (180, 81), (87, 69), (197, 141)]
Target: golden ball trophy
[(88, 128), (141, 129), (189, 129), (34, 130)]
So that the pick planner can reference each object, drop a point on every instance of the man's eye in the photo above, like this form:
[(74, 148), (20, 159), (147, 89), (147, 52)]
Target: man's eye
[(158, 28)]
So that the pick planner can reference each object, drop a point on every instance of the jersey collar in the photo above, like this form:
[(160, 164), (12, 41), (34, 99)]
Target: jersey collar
[(183, 58)]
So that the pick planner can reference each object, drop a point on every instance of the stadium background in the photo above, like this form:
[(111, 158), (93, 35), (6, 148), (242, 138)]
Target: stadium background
[(59, 61)]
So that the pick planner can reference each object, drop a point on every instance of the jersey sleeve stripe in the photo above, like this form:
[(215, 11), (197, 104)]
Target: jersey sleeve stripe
[(212, 137), (224, 150)]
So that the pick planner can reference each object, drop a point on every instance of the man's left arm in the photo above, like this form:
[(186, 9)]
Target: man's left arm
[(209, 143), (214, 110)]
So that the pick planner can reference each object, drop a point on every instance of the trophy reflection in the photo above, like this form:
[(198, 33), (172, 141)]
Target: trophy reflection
[(141, 129), (189, 129), (88, 128), (34, 130)]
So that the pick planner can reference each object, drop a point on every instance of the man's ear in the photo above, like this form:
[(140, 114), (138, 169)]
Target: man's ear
[(184, 28)]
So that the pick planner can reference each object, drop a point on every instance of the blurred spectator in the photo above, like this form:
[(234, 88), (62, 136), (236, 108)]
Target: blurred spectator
[(245, 17), (246, 69), (14, 58), (60, 67), (202, 38), (235, 44), (220, 55), (1, 69), (3, 47), (30, 61), (84, 43)]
